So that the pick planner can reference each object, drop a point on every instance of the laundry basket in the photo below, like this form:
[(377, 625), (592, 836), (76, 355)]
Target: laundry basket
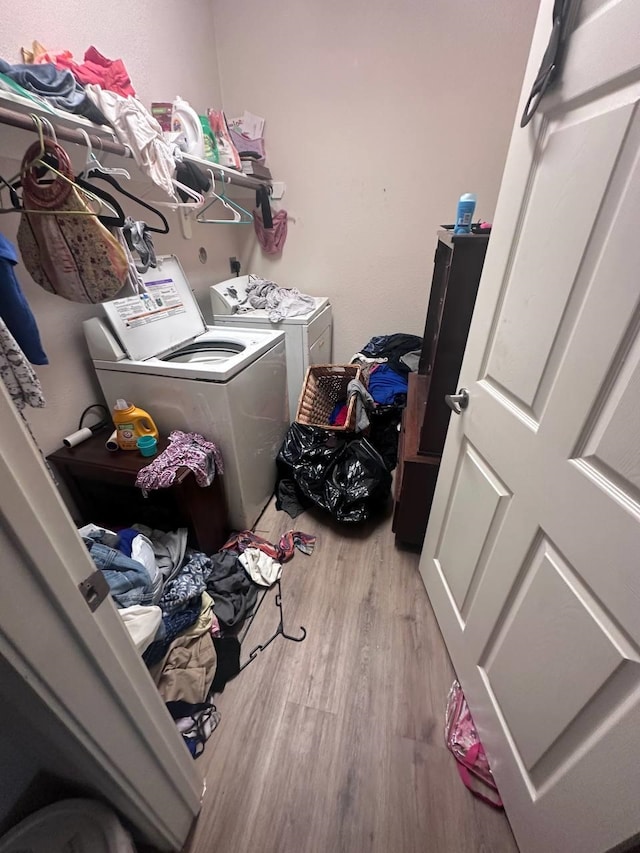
[(325, 385)]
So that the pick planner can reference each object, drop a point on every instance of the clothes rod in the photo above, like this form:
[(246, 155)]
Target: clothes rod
[(101, 144), (68, 134)]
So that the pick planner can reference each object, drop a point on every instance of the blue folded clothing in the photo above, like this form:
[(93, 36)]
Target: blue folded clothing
[(387, 387), (14, 308), (58, 86)]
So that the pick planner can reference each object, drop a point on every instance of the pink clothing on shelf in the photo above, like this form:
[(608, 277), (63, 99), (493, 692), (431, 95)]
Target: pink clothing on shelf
[(109, 74)]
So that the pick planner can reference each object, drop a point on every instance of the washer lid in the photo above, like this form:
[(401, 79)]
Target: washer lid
[(163, 318)]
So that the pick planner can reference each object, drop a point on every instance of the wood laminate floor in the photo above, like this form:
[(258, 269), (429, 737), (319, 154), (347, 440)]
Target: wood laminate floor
[(336, 743)]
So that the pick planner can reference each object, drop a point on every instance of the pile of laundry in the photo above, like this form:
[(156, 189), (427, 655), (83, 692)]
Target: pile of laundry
[(183, 609), (99, 89), (347, 474), (386, 361), (280, 302), (61, 81)]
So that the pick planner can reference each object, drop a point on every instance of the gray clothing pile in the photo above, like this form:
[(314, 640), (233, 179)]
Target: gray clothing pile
[(280, 302)]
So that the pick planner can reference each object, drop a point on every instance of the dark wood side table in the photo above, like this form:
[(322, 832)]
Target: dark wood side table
[(102, 485)]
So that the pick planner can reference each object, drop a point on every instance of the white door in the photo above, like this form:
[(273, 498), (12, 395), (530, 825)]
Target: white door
[(109, 717), (532, 554)]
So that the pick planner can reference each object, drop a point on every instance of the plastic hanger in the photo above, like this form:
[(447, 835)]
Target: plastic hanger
[(234, 204), (93, 168), (236, 214), (235, 208), (112, 181), (196, 204), (117, 221), (92, 163), (39, 159)]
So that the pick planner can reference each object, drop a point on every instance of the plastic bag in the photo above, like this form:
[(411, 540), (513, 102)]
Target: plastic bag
[(462, 739), (345, 476), (384, 432)]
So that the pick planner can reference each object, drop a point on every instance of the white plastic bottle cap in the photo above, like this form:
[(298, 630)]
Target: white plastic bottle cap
[(121, 404)]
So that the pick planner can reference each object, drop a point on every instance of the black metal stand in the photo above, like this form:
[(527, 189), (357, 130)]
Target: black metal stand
[(279, 631)]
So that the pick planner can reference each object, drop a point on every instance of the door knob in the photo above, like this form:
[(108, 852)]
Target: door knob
[(457, 402)]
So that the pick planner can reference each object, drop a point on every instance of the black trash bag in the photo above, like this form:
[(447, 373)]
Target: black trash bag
[(384, 432), (346, 476)]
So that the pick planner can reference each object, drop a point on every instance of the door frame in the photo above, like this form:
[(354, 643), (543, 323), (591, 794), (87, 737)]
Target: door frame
[(83, 666)]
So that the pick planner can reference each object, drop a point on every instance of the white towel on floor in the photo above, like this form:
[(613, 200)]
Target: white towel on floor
[(261, 568)]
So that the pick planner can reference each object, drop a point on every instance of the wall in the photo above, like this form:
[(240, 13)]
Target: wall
[(168, 48), (379, 115)]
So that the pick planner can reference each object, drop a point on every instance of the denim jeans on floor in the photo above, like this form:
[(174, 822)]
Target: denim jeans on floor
[(128, 579)]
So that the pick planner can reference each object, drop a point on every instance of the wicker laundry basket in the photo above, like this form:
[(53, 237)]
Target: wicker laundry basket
[(325, 385)]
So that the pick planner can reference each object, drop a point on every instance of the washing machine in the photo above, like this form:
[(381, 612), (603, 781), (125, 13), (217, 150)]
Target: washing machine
[(228, 384), (308, 336)]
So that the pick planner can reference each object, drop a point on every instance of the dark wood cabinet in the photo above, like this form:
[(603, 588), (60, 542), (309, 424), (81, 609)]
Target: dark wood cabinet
[(102, 485), (457, 269)]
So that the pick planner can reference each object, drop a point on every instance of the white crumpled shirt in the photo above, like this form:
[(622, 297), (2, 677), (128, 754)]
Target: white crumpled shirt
[(135, 126)]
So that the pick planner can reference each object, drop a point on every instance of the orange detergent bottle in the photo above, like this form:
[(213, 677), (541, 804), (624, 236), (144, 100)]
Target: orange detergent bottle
[(130, 423)]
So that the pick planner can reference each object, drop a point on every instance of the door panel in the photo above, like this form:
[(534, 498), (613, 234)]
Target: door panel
[(546, 264), (609, 448), (531, 554), (477, 505), (554, 617)]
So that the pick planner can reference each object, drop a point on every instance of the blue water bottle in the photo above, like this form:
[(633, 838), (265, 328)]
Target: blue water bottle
[(466, 208)]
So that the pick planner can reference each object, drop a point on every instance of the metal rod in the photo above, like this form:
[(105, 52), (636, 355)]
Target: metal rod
[(102, 144), (25, 122)]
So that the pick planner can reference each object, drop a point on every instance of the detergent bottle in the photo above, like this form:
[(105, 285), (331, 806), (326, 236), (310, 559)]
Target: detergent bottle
[(185, 121), (130, 423)]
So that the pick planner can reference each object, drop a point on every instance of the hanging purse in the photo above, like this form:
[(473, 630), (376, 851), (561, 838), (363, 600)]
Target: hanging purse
[(64, 246)]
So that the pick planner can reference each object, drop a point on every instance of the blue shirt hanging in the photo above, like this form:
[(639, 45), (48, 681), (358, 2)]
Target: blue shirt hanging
[(14, 308)]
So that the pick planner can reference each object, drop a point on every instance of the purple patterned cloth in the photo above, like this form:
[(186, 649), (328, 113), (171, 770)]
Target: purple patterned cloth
[(186, 450)]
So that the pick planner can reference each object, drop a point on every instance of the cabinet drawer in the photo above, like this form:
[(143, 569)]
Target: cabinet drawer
[(317, 328), (320, 350)]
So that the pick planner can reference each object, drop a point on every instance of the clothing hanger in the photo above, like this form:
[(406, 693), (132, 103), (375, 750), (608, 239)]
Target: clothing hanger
[(92, 163), (117, 221), (196, 204), (41, 158), (94, 169), (234, 204), (236, 214), (235, 208), (103, 176)]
